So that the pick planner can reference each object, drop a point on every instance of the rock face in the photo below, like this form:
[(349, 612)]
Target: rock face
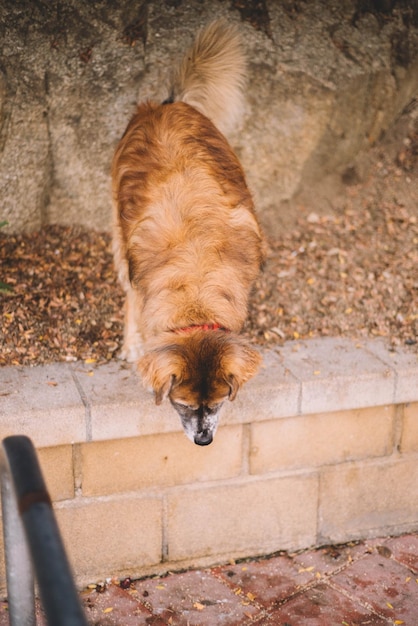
[(326, 80)]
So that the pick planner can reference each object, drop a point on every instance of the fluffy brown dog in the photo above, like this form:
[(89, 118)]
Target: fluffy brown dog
[(187, 244)]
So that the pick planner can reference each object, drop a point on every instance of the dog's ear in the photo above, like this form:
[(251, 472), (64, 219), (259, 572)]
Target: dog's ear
[(233, 386), (162, 391), (240, 366), (160, 369)]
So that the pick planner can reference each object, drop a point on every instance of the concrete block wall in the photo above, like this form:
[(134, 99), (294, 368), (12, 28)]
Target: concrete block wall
[(321, 447)]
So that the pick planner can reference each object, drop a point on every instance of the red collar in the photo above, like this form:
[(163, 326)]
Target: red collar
[(188, 329)]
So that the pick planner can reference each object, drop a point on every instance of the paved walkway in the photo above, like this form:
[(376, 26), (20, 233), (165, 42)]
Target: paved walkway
[(371, 583)]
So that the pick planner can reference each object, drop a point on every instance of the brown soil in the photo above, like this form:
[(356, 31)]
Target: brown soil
[(347, 265)]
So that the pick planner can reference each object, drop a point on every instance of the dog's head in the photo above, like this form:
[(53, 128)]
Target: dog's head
[(198, 371)]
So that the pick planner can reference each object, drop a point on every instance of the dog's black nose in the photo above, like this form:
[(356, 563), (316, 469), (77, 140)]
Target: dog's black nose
[(203, 438)]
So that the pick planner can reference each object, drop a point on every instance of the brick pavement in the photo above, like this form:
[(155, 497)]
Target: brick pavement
[(369, 583)]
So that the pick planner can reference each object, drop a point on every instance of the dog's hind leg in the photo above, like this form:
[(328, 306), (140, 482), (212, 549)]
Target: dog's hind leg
[(132, 349)]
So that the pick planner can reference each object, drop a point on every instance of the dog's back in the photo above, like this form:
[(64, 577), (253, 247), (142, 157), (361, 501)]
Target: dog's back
[(189, 238)]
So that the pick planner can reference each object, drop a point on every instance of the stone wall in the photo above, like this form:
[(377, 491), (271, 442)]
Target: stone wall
[(326, 79)]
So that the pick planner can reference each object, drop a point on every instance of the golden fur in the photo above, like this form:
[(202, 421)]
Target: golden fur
[(187, 244)]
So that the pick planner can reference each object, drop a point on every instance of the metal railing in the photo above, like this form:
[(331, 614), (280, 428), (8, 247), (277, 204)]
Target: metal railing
[(32, 542)]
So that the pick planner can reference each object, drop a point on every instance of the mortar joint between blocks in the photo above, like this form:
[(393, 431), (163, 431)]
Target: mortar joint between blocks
[(77, 470), (398, 428), (246, 449), (164, 530), (318, 505)]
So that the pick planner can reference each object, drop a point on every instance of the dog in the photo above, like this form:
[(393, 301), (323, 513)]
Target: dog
[(186, 240)]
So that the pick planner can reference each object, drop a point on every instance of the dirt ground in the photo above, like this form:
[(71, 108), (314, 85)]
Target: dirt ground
[(346, 264)]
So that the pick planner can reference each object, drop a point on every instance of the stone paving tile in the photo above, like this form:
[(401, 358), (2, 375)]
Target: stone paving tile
[(382, 583), (43, 403), (403, 360), (195, 598), (4, 614), (322, 606), (335, 372), (369, 583), (114, 607), (268, 581), (331, 558), (405, 550)]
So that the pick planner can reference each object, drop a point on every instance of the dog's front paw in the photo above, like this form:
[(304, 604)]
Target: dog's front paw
[(131, 352)]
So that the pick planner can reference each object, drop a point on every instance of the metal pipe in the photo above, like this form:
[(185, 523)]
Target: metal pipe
[(19, 573), (53, 573)]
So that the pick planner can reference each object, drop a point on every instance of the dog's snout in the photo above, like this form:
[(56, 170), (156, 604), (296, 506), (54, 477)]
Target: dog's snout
[(203, 437), (199, 424)]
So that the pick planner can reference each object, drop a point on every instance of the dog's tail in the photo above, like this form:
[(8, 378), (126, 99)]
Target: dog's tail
[(211, 76)]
